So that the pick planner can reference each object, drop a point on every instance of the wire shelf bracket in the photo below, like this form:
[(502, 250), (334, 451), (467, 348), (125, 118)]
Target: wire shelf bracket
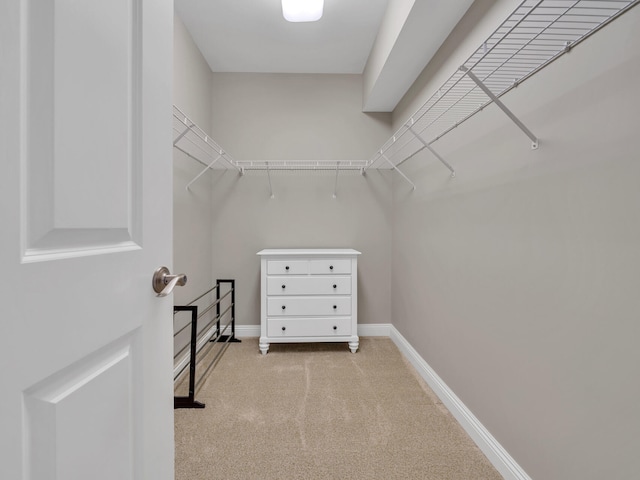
[(413, 186), (184, 132), (428, 147), (205, 169), (534, 140), (269, 178), (191, 140)]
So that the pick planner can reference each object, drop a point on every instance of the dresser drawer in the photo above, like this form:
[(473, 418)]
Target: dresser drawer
[(300, 306), (287, 267), (320, 285), (330, 266), (308, 327)]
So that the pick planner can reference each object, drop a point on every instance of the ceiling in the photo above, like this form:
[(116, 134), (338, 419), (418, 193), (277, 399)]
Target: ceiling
[(253, 36)]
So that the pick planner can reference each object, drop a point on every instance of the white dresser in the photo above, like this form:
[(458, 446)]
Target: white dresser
[(309, 295)]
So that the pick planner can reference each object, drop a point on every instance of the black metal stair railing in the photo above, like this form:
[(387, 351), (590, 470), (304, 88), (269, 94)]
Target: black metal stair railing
[(204, 339)]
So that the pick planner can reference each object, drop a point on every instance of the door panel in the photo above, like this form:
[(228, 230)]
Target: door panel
[(86, 355), (82, 100), (70, 434)]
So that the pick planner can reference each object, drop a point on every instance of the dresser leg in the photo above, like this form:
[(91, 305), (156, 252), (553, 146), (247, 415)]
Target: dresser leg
[(353, 346), (264, 346)]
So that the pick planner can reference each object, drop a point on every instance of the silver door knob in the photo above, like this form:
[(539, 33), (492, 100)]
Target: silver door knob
[(163, 282)]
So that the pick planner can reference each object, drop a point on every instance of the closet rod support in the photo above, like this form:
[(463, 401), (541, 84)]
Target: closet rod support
[(193, 157), (428, 147), (335, 186), (186, 130), (397, 170), (503, 107), (269, 178)]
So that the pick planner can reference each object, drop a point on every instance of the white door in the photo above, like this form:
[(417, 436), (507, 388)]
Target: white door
[(85, 219)]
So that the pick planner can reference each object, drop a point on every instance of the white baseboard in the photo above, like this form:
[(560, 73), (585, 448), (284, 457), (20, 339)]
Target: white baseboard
[(497, 455), (374, 330), (247, 331)]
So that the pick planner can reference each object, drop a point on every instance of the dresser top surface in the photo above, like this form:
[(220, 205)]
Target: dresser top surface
[(307, 252)]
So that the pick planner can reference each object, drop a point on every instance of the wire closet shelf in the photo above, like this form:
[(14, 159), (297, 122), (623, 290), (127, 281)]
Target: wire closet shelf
[(535, 34), (194, 142)]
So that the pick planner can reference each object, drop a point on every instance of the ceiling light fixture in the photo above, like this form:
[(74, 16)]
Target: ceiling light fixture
[(302, 10)]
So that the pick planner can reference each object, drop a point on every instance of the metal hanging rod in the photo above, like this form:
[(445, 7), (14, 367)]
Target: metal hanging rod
[(536, 33), (303, 165), (307, 165)]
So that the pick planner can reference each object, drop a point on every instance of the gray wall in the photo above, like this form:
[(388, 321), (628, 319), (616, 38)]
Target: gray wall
[(518, 280), (192, 209), (283, 116), (294, 117)]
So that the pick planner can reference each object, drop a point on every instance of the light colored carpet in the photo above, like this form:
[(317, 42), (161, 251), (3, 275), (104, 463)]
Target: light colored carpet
[(317, 411)]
